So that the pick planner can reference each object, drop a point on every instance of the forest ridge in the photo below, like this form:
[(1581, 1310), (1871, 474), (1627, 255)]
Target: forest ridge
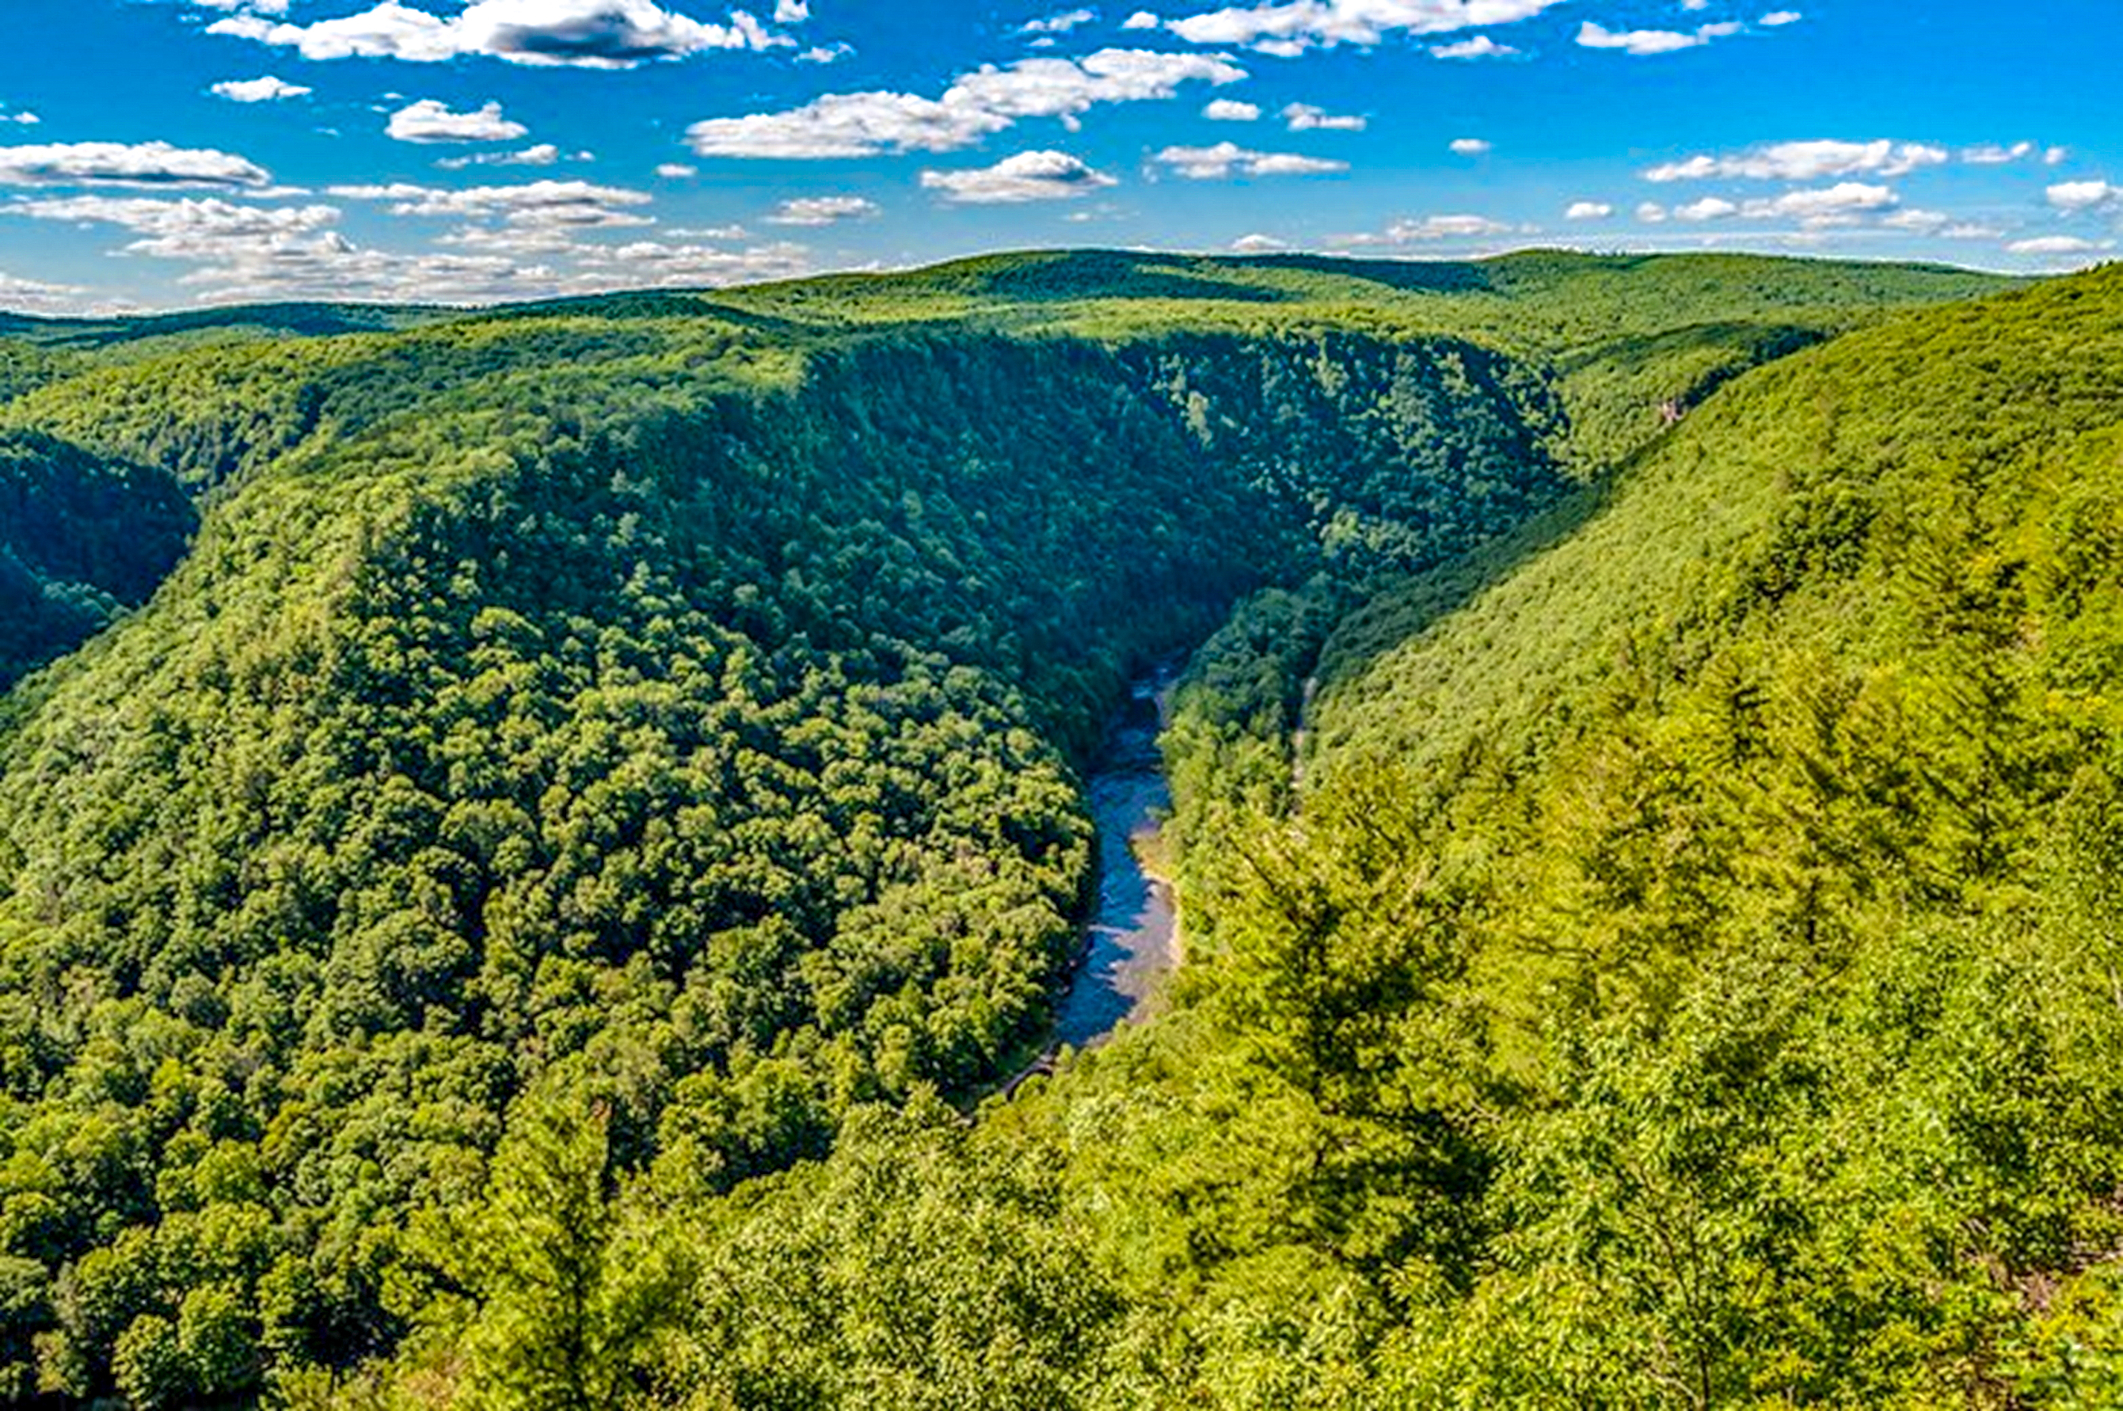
[(525, 836)]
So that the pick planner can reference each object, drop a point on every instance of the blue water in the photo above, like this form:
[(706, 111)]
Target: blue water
[(1133, 933)]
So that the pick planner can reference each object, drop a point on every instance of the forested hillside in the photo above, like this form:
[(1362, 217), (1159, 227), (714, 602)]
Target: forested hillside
[(508, 920), (81, 539), (1685, 975)]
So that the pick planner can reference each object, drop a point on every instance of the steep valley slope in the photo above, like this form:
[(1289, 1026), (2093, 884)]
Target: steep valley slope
[(592, 758)]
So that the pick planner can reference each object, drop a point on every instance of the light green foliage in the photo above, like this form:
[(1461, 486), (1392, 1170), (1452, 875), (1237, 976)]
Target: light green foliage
[(596, 761)]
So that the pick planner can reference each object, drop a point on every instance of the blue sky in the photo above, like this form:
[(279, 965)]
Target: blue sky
[(163, 153)]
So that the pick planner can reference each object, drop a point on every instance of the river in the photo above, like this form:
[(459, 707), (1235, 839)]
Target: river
[(1133, 936)]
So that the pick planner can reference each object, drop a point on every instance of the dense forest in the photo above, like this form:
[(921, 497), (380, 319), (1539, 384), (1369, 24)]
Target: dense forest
[(544, 826)]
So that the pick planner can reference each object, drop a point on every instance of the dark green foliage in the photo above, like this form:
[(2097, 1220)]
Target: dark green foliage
[(598, 758), (518, 712), (1764, 806), (81, 539)]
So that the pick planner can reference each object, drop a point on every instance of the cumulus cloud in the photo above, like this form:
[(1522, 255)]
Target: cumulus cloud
[(542, 155), (526, 215), (1777, 19), (258, 90), (1840, 204), (34, 296), (1430, 229), (1060, 23), (1303, 117), (249, 252), (1471, 147), (1231, 110), (1228, 159), (978, 104), (607, 34), (1643, 42), (649, 264), (1995, 154), (2074, 197), (821, 210), (1846, 203), (1291, 28), (430, 121), (1805, 161), (1479, 47), (1588, 210), (1028, 176), (25, 119), (1709, 208), (123, 164), (2057, 245), (185, 229), (676, 171), (1940, 224), (1258, 245)]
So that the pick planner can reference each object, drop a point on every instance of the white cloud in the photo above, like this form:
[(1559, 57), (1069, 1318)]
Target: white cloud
[(676, 171), (826, 53), (2056, 156), (1588, 210), (255, 7), (187, 228), (1651, 213), (1060, 23), (1303, 117), (1291, 28), (1776, 19), (978, 104), (258, 90), (34, 296), (242, 252), (247, 252), (1642, 42), (2076, 196), (1028, 176), (1228, 158), (528, 207), (792, 11), (1432, 228), (653, 265), (1141, 19), (1994, 154), (430, 121), (606, 34), (121, 164), (1805, 161), (1231, 110), (2058, 245), (821, 210), (1479, 47), (542, 155), (1841, 204), (1471, 147), (1258, 245), (1709, 208)]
